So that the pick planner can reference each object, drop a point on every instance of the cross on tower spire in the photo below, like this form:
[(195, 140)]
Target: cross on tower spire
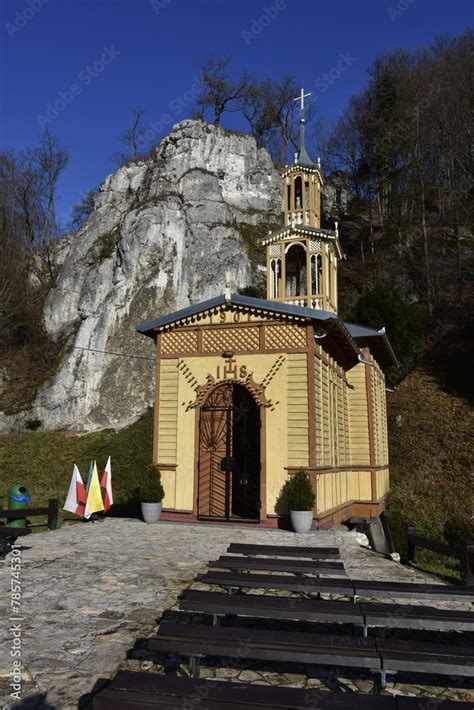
[(303, 157), (301, 99)]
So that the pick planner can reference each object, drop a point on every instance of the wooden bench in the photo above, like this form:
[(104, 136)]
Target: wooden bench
[(380, 656), (415, 657), (413, 590), (310, 585), (198, 640), (350, 587), (8, 535), (313, 553), (377, 655), (131, 690), (407, 616), (268, 607), (313, 567), (317, 610)]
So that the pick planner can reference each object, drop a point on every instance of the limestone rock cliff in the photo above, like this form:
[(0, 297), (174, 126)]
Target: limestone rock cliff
[(164, 231)]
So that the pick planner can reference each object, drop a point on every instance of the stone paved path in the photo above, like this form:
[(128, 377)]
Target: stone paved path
[(91, 590)]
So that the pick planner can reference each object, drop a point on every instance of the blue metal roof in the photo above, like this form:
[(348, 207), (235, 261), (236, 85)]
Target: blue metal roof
[(346, 334), (359, 331), (236, 299), (379, 342)]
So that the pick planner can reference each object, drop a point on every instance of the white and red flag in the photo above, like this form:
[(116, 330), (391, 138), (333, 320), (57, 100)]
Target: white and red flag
[(76, 497), (106, 484)]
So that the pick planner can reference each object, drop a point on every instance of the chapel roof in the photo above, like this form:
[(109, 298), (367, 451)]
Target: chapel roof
[(376, 340), (347, 338)]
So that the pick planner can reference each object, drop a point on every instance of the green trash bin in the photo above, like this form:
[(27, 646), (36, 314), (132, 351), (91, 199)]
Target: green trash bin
[(18, 497)]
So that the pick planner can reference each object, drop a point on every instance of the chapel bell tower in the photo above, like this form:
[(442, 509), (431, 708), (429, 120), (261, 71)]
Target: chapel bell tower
[(301, 257)]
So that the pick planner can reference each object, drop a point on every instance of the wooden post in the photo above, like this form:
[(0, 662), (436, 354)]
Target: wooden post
[(52, 513), (410, 547), (467, 562)]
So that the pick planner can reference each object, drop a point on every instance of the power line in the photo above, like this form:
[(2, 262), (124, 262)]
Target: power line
[(109, 352)]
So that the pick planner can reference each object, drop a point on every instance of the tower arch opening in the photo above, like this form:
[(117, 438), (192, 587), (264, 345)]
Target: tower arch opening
[(295, 266)]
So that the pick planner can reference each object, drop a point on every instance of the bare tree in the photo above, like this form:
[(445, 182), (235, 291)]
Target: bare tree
[(220, 92), (132, 139)]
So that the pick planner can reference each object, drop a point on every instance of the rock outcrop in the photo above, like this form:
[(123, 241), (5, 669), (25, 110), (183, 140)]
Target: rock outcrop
[(164, 231)]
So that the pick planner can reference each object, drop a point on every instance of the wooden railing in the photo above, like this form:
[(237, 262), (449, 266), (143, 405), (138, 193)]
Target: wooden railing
[(51, 511), (464, 553)]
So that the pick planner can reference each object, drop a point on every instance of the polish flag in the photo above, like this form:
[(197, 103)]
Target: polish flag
[(76, 497), (106, 484), (94, 503)]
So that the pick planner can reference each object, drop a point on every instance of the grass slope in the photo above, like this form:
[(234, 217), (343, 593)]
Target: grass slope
[(43, 461), (431, 461)]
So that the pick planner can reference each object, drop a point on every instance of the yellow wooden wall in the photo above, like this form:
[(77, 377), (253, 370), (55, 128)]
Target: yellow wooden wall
[(297, 411), (377, 382), (331, 416), (168, 425), (336, 488), (358, 416), (168, 410)]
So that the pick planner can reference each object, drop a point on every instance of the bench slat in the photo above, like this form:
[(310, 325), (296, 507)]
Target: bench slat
[(269, 607), (413, 590), (315, 553), (420, 657), (195, 639), (417, 617), (435, 703), (279, 565), (280, 581)]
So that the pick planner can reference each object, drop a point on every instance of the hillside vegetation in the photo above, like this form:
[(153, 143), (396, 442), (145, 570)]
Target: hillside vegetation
[(43, 461)]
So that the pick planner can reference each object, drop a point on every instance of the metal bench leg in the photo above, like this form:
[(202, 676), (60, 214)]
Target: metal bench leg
[(194, 666), (216, 619), (365, 630), (232, 590), (380, 680)]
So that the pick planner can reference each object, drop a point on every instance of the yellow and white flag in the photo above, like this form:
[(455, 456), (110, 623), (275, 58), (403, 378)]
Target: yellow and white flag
[(94, 497)]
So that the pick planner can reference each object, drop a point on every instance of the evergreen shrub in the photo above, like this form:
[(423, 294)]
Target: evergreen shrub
[(299, 492), (150, 488)]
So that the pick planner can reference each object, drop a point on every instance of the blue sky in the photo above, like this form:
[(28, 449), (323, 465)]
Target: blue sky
[(97, 60)]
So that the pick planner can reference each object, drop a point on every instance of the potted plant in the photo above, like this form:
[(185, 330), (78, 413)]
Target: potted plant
[(151, 494), (301, 499)]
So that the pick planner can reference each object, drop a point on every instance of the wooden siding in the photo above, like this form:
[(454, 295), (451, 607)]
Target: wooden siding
[(382, 483), (168, 412), (297, 411), (332, 416), (337, 488), (358, 417), (379, 415)]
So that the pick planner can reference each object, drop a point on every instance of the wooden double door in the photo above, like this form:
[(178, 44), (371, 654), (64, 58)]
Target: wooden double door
[(229, 455)]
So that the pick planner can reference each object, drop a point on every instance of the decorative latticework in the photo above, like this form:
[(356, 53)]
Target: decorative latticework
[(284, 336), (275, 249), (315, 245), (179, 341), (236, 339)]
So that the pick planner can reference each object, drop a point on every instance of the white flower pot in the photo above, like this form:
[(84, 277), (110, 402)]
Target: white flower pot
[(301, 520), (151, 511)]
